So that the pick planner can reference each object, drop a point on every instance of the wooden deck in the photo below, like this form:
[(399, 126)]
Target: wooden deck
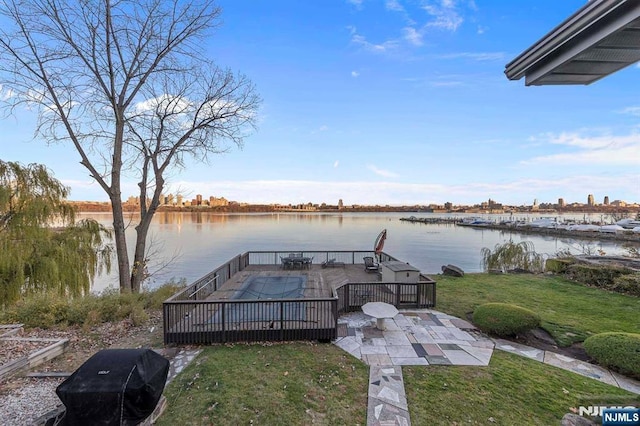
[(209, 310), (320, 281)]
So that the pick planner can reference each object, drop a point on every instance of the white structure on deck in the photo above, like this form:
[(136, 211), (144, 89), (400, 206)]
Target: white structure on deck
[(396, 271)]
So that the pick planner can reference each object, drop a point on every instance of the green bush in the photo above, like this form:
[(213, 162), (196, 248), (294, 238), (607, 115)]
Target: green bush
[(154, 299), (597, 276), (558, 265), (40, 310), (618, 351), (628, 284), (50, 310), (505, 320), (513, 256)]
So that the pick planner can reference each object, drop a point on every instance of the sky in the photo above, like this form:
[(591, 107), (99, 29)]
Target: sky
[(397, 102)]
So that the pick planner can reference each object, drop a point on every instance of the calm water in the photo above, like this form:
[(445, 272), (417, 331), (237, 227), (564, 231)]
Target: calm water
[(189, 245)]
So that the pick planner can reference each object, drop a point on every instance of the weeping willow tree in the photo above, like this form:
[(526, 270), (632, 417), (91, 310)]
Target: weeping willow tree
[(42, 247), (510, 256)]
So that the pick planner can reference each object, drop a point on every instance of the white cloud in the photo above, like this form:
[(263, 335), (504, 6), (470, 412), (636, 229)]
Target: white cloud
[(481, 29), (476, 56), (320, 129), (372, 47), (336, 164), (394, 5), (592, 150), (412, 36), (381, 172), (446, 83), (444, 15), (355, 74), (356, 3), (634, 110), (6, 93), (513, 191)]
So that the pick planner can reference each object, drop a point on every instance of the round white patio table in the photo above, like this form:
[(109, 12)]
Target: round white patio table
[(380, 311)]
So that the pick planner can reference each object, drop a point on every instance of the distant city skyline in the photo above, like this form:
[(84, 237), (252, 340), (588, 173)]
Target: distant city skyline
[(216, 201), (413, 112)]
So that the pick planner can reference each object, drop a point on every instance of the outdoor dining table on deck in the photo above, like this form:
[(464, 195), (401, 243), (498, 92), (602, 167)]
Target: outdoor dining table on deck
[(296, 262)]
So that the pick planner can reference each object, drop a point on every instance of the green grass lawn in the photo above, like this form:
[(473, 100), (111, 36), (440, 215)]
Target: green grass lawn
[(512, 390), (303, 383), (570, 312), (279, 384)]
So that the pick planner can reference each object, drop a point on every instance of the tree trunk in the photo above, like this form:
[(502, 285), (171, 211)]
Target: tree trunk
[(121, 245), (139, 271)]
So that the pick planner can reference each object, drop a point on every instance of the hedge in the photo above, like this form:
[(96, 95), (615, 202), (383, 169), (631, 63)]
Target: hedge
[(558, 266), (503, 319), (618, 351), (628, 284), (598, 276)]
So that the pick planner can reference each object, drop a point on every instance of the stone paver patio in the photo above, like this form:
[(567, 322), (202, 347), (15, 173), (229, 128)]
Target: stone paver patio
[(415, 338), (428, 337)]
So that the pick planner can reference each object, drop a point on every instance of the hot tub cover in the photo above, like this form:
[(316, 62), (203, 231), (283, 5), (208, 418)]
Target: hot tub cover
[(114, 387)]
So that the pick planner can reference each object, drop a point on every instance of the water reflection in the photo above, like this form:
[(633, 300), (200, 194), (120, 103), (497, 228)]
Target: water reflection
[(202, 241)]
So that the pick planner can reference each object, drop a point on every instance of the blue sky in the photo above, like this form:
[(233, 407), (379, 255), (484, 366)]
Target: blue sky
[(398, 102)]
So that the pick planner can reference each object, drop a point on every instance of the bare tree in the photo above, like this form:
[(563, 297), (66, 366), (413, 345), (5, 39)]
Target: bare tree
[(127, 83)]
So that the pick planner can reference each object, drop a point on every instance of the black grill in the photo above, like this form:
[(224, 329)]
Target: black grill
[(114, 387)]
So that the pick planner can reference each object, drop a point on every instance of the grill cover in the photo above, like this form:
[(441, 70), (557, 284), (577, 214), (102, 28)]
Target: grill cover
[(114, 387)]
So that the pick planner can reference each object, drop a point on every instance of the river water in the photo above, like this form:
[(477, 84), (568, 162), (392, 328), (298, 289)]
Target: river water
[(189, 245)]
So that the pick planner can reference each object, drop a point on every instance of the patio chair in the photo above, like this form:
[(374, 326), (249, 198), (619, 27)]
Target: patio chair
[(286, 262), (308, 261), (370, 265)]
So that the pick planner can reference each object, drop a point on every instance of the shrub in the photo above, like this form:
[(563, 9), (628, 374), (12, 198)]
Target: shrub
[(154, 299), (598, 276), (558, 265), (40, 310), (618, 351), (628, 284), (513, 256), (50, 310), (505, 320)]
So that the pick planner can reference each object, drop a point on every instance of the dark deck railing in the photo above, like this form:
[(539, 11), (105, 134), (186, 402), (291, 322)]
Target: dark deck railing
[(190, 318)]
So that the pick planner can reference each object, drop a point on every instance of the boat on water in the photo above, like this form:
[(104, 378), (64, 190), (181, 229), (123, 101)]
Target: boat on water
[(544, 222), (584, 227), (476, 221), (628, 223), (611, 229)]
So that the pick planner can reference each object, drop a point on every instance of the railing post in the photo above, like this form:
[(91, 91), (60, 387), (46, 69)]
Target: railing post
[(398, 287), (434, 293), (282, 321), (347, 297), (335, 316), (224, 322)]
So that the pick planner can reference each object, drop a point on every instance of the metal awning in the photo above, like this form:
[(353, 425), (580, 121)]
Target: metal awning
[(599, 39)]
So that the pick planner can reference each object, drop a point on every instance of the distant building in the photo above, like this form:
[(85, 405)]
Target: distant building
[(218, 202), (606, 200), (198, 201), (340, 204), (590, 200), (180, 201), (561, 202), (448, 205)]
